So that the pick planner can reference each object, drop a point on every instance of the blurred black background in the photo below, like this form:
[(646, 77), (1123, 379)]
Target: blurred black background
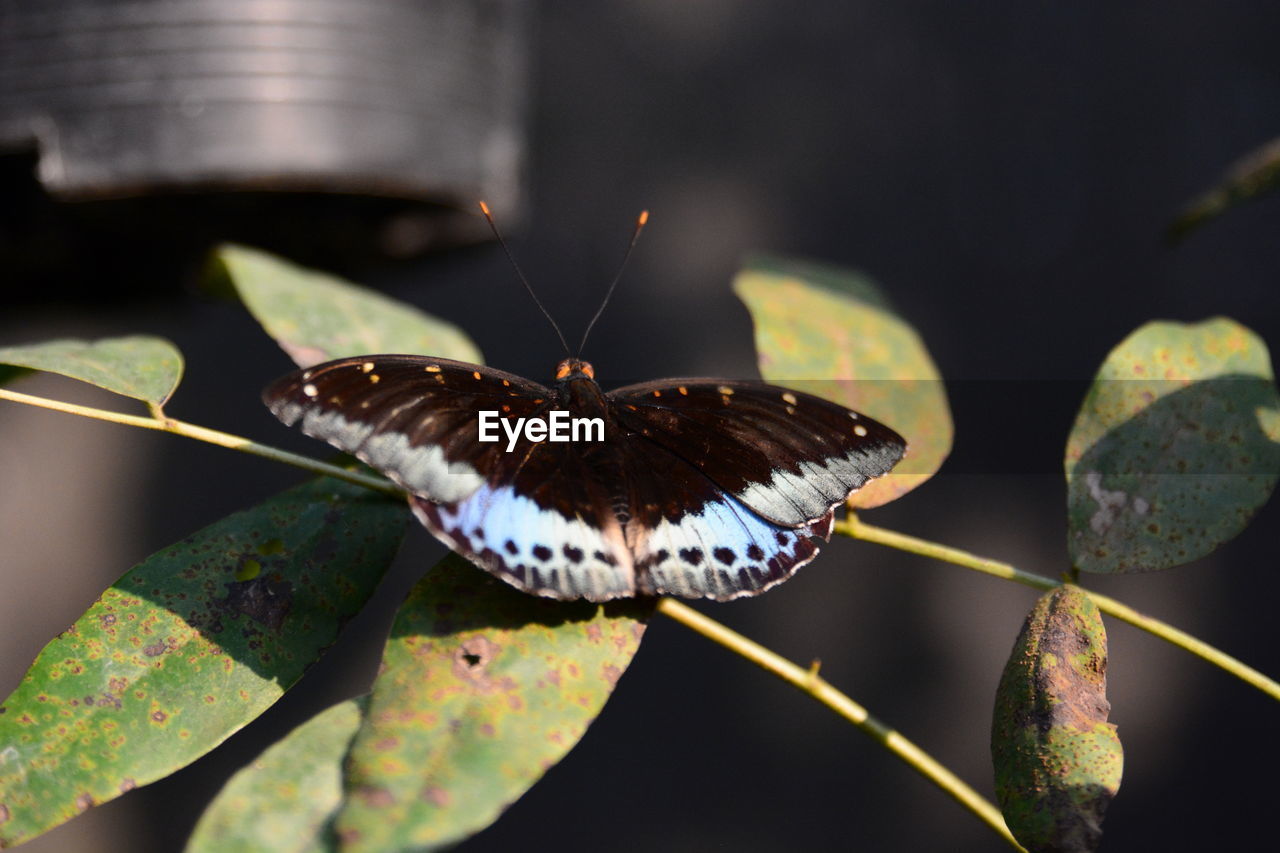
[(1004, 170)]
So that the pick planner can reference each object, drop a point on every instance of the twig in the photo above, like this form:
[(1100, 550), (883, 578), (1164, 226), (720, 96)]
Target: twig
[(857, 529)]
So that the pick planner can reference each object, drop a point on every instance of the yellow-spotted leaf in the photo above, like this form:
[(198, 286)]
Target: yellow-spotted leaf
[(1058, 762), (1174, 449), (286, 797), (186, 648), (316, 317), (830, 332), (482, 688), (140, 366)]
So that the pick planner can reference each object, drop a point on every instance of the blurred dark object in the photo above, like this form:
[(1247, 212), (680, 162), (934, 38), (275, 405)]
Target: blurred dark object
[(360, 129), (1253, 175)]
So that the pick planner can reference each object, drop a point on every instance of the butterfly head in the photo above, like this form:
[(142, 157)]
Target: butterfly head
[(571, 367)]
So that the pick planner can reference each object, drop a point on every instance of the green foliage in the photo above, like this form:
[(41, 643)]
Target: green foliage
[(286, 798), (316, 317), (186, 648), (482, 688), (1174, 448), (1057, 760), (138, 366), (830, 332)]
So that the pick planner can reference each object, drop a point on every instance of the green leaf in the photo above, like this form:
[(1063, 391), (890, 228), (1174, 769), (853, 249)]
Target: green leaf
[(285, 799), (139, 366), (316, 317), (830, 332), (1253, 175), (1174, 448), (482, 689), (186, 648), (1058, 762)]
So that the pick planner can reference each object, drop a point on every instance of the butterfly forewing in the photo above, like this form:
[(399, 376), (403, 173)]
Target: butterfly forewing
[(411, 417), (786, 455)]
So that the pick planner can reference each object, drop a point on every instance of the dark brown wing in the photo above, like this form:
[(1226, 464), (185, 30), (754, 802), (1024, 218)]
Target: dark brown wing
[(788, 456), (414, 418)]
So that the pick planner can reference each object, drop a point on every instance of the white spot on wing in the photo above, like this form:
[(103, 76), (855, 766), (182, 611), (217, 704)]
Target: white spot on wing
[(421, 470)]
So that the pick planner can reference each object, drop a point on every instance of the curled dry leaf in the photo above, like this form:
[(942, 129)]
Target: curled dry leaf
[(1057, 760)]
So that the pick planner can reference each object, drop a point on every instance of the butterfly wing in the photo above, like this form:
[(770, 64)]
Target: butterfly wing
[(537, 516), (788, 456), (548, 520), (691, 539), (414, 418)]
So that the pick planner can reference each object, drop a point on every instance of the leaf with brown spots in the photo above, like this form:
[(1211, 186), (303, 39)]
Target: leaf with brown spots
[(482, 689), (317, 317), (1174, 449), (1058, 762), (140, 366), (176, 656), (285, 798), (829, 332)]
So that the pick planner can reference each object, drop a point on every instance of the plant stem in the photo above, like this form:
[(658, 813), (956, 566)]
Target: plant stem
[(212, 436), (810, 682), (857, 529)]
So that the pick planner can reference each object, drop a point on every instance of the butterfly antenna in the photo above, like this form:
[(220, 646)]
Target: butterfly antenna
[(484, 208), (635, 237)]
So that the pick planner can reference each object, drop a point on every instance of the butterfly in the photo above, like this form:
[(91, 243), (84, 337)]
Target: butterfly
[(698, 488)]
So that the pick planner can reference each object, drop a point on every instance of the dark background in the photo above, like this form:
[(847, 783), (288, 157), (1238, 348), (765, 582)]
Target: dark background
[(1004, 170)]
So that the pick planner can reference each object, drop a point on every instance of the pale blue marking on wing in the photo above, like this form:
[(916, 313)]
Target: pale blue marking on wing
[(722, 551), (481, 525)]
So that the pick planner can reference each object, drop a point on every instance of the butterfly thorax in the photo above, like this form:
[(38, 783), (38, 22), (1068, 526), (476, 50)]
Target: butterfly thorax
[(578, 391)]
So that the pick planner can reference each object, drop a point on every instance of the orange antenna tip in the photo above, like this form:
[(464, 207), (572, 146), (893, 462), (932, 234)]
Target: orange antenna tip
[(644, 217), (484, 208)]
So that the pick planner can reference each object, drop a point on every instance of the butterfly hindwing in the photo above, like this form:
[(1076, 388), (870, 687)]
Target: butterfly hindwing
[(786, 455), (411, 417), (546, 521), (693, 540)]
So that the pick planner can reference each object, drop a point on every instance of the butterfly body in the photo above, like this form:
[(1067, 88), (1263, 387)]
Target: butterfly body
[(698, 488)]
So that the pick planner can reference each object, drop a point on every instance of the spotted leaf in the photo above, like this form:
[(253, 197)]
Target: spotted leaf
[(1058, 761), (187, 648), (285, 798), (829, 332), (482, 689), (316, 317), (1174, 448), (143, 367)]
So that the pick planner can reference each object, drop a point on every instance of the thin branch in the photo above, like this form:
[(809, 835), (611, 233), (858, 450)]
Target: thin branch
[(212, 436), (857, 529), (810, 682)]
